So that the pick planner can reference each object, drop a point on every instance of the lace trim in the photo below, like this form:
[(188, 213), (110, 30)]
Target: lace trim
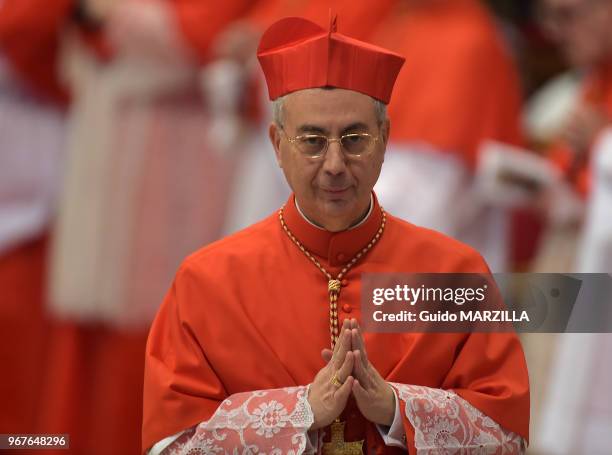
[(271, 422), (445, 423)]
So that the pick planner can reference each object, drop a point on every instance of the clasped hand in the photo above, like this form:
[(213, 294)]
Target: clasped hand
[(349, 371)]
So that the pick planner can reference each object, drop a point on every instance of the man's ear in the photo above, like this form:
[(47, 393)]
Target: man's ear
[(275, 138), (385, 131)]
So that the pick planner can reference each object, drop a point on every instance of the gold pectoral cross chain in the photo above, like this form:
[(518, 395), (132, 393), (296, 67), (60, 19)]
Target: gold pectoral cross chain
[(337, 446), (334, 284)]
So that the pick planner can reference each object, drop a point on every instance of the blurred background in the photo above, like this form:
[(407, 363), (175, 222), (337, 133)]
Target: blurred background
[(133, 132)]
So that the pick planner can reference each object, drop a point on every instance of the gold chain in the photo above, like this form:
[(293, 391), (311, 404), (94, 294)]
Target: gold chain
[(334, 284)]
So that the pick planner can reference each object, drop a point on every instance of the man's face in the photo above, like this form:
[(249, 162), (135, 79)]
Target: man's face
[(581, 28), (333, 190)]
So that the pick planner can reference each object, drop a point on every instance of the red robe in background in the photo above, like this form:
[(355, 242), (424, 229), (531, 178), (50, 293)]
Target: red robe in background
[(31, 104), (91, 383), (23, 335), (29, 38), (251, 312), (459, 85), (458, 88), (202, 21)]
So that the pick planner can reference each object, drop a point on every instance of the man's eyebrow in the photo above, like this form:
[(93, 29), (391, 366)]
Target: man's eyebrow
[(308, 128), (311, 129), (357, 126)]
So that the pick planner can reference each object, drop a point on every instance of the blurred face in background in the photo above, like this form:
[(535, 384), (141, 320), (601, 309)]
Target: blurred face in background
[(581, 29)]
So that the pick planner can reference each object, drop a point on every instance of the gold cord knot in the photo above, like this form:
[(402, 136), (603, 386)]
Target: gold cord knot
[(333, 286)]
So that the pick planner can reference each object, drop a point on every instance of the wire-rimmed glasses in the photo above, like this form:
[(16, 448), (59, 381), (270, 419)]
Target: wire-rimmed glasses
[(315, 145)]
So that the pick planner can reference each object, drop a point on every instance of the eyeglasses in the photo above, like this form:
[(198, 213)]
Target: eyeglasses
[(315, 145)]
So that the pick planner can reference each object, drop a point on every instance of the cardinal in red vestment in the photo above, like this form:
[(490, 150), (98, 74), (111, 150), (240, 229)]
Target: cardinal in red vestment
[(258, 345)]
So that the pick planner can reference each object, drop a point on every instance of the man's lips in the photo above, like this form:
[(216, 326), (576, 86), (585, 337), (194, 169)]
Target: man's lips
[(335, 190)]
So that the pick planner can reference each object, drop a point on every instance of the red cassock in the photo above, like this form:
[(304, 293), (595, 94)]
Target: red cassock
[(201, 22), (459, 85), (458, 88), (28, 42), (251, 312), (30, 38), (23, 331)]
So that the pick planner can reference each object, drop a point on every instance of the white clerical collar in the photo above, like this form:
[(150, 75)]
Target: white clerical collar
[(297, 206)]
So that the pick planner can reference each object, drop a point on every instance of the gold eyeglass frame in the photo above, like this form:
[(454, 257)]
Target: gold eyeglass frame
[(293, 140)]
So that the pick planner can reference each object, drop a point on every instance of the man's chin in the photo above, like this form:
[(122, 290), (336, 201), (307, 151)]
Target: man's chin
[(338, 208), (341, 202)]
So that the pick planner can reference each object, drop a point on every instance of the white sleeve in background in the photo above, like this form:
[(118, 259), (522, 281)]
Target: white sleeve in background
[(604, 147), (425, 186), (595, 252), (31, 150), (433, 188)]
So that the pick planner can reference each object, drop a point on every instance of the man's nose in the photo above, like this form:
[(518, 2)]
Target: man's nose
[(335, 160)]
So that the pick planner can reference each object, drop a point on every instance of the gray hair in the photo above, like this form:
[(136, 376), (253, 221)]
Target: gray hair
[(278, 103)]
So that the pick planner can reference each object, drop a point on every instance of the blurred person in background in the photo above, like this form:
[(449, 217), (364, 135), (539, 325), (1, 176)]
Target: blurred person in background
[(569, 113), (577, 415), (148, 190), (460, 93), (32, 108), (143, 185)]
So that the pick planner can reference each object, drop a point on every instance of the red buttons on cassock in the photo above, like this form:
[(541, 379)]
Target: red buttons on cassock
[(346, 308), (344, 282), (341, 256)]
